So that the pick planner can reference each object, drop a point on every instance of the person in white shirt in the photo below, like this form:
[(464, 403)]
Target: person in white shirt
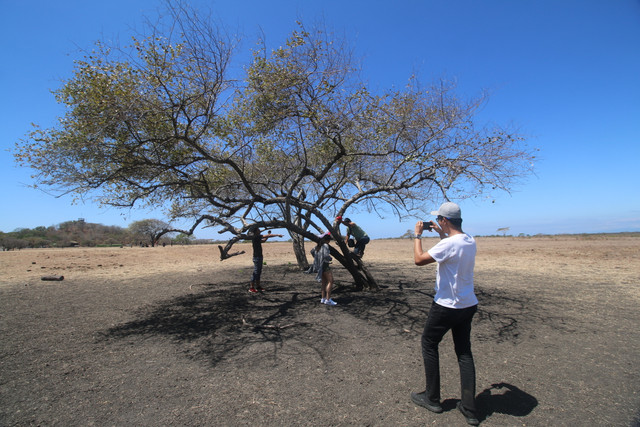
[(453, 307)]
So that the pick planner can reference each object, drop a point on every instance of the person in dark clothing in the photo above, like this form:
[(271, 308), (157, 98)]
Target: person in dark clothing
[(256, 241)]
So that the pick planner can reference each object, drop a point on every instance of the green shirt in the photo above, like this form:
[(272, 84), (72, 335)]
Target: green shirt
[(357, 232)]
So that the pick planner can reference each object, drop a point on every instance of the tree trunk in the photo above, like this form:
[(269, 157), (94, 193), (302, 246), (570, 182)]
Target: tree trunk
[(298, 250), (370, 282), (362, 279), (298, 244)]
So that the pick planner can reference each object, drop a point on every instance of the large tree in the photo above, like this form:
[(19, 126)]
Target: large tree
[(295, 142), (149, 230)]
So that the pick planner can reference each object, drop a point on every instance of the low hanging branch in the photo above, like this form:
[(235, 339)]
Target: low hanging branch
[(225, 255)]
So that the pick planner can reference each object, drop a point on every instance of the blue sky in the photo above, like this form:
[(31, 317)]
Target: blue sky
[(565, 72)]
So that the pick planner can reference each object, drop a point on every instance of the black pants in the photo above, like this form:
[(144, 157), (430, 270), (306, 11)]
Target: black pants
[(360, 244), (441, 319)]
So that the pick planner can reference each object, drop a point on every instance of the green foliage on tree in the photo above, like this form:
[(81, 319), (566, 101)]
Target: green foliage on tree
[(148, 231), (183, 239), (299, 139), (82, 233), (65, 234)]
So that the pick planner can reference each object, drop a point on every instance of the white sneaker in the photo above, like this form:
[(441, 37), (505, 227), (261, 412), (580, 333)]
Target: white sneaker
[(330, 302), (323, 301)]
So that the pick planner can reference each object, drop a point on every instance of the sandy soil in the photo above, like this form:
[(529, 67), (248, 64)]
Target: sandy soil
[(170, 336)]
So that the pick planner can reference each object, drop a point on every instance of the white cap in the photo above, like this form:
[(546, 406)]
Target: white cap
[(449, 210)]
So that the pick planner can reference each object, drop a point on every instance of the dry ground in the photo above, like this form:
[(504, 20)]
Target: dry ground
[(170, 336)]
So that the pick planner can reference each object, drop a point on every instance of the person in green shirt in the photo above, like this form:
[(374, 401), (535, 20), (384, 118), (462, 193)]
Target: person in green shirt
[(361, 238)]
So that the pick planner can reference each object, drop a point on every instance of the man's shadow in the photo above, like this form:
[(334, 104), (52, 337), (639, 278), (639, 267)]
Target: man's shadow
[(503, 398)]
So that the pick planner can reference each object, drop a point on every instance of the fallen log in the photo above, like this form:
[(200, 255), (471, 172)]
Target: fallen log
[(53, 278)]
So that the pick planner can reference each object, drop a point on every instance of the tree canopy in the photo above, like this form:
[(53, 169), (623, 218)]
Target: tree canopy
[(297, 140), (149, 230)]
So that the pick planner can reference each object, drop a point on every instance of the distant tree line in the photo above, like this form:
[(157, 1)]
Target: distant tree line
[(146, 232)]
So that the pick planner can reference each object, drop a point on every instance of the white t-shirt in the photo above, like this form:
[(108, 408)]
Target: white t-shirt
[(456, 257)]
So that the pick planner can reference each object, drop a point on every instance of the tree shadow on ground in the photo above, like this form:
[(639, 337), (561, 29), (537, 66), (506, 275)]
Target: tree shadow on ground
[(221, 320), (404, 305), (501, 315), (504, 313)]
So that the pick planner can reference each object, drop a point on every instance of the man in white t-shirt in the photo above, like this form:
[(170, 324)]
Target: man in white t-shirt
[(453, 307)]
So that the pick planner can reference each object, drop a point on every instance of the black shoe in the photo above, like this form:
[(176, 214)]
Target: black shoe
[(421, 399), (470, 417)]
